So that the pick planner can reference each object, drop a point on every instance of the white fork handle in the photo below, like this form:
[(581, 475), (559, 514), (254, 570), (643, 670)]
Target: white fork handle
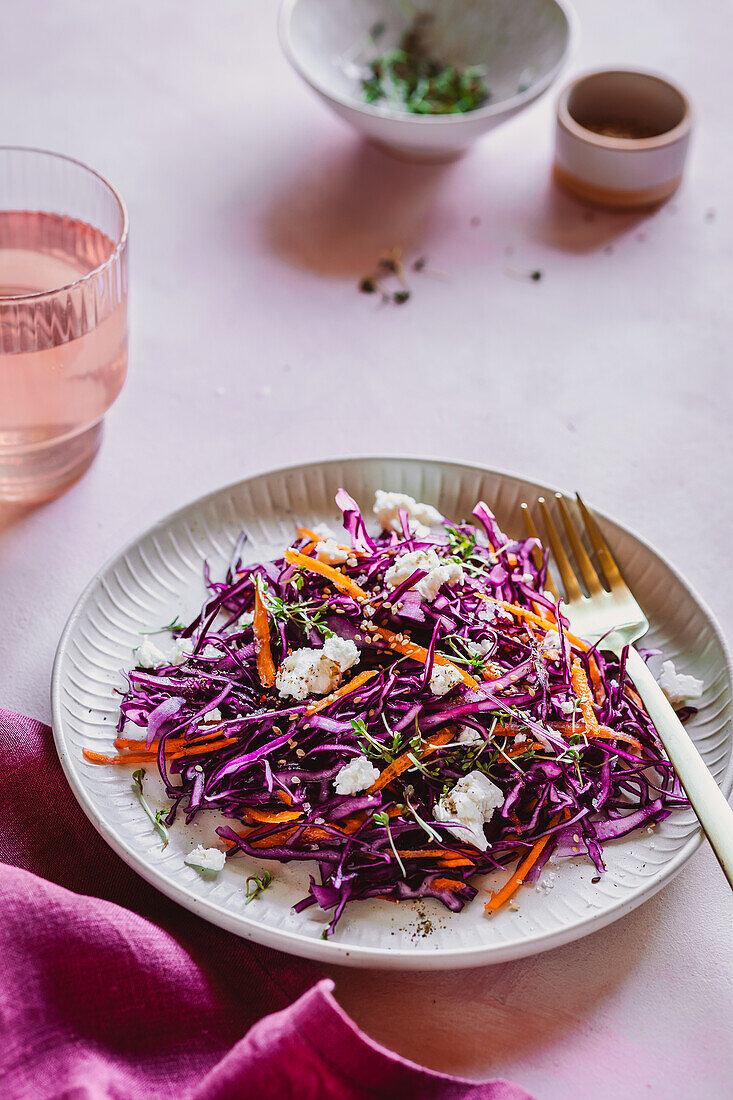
[(707, 800)]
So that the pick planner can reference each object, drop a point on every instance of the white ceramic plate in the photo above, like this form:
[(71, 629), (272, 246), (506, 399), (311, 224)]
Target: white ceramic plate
[(159, 575)]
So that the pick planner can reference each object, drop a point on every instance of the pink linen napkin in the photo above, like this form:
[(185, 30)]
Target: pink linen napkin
[(108, 989)]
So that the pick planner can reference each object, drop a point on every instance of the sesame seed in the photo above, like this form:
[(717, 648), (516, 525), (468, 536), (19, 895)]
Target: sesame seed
[(296, 781)]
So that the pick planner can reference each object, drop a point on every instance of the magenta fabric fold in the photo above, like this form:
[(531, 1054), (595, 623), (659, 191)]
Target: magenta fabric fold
[(108, 989)]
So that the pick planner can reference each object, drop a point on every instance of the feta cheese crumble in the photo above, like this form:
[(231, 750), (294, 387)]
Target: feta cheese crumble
[(438, 572), (487, 612), (182, 650), (148, 655), (468, 806), (205, 859), (213, 715), (444, 678), (469, 736), (341, 650), (421, 517), (551, 640), (316, 671), (330, 552), (679, 688), (567, 706), (356, 776)]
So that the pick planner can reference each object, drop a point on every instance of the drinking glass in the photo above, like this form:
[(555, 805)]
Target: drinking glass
[(63, 318)]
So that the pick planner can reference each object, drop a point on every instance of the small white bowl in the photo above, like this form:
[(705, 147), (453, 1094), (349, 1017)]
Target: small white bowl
[(622, 138), (522, 44)]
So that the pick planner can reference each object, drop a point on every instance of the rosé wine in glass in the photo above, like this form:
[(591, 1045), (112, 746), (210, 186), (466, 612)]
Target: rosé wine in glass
[(63, 319)]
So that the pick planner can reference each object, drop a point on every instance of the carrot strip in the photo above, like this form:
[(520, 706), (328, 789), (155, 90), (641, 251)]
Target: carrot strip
[(175, 753), (261, 628), (446, 859), (308, 835), (306, 533), (451, 884), (629, 691), (268, 817), (517, 750), (420, 853), (128, 758), (604, 733), (171, 743), (197, 750), (548, 617), (403, 762), (335, 576), (524, 613), (345, 689), (497, 900), (584, 695), (598, 689), (402, 644)]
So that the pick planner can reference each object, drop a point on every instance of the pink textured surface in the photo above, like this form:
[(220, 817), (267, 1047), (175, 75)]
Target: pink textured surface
[(254, 212), (108, 989)]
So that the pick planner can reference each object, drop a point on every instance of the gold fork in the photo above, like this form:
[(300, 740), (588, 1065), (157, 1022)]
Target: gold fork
[(612, 613)]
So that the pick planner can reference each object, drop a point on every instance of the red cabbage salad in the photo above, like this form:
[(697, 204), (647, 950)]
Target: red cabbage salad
[(404, 711)]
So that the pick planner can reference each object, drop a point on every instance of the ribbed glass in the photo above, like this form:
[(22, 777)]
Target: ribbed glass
[(63, 318)]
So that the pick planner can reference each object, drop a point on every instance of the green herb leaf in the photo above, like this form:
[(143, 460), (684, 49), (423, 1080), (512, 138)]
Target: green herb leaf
[(410, 79)]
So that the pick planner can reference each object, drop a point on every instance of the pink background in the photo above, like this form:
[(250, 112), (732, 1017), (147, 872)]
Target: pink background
[(254, 212)]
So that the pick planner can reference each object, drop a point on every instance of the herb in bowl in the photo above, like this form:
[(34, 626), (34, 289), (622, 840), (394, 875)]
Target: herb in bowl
[(410, 79)]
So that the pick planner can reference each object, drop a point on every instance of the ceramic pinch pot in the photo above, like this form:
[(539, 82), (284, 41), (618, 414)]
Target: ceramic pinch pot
[(518, 49), (622, 138)]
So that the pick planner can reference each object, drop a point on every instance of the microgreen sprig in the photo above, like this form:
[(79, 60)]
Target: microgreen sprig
[(172, 626), (423, 824), (372, 745), (255, 884), (155, 818), (383, 819)]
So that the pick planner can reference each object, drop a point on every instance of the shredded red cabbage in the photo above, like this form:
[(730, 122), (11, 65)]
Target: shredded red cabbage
[(279, 760)]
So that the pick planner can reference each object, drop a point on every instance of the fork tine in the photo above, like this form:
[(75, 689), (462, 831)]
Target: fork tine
[(569, 580), (587, 568), (605, 557), (537, 555)]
